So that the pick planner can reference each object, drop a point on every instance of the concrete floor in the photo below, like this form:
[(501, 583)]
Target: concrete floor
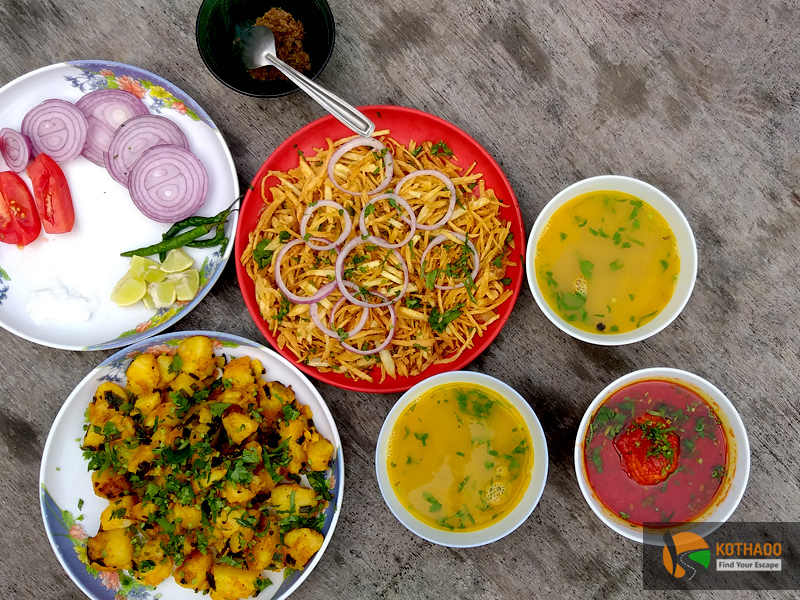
[(698, 98)]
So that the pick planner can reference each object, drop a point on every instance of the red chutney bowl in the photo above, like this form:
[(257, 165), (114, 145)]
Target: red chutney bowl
[(661, 451)]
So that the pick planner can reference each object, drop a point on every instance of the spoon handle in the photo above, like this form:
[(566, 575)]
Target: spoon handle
[(340, 109)]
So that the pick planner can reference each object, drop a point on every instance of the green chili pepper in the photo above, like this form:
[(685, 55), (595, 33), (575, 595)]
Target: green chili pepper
[(179, 241), (210, 242)]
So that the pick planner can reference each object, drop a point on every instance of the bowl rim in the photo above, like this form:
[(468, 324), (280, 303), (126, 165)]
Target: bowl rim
[(713, 517), (328, 14), (689, 261), (527, 503)]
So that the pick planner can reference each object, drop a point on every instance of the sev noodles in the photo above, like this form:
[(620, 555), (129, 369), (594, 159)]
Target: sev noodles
[(443, 308)]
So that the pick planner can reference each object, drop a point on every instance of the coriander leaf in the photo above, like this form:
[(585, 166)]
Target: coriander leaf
[(435, 505)]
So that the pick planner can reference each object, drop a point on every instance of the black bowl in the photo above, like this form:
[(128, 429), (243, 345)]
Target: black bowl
[(220, 22)]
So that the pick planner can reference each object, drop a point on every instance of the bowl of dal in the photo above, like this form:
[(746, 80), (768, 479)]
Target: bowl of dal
[(612, 260), (461, 459)]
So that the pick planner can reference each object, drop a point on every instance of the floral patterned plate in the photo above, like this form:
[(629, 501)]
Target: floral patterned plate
[(71, 511), (56, 291)]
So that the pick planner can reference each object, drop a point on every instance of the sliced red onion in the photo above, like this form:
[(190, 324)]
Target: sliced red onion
[(168, 183), (330, 332), (348, 247), (134, 137), (380, 241), (105, 112), (348, 224), (16, 149), (388, 163), (444, 179), (476, 261), (389, 336), (322, 292), (56, 128)]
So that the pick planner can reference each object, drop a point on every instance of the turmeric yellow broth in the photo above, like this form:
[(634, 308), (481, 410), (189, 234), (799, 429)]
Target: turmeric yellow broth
[(607, 262), (460, 457)]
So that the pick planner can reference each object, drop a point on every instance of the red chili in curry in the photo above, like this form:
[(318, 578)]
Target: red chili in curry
[(655, 451)]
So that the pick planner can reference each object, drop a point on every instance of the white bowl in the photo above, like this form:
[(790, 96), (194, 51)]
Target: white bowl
[(687, 249), (504, 526), (733, 485)]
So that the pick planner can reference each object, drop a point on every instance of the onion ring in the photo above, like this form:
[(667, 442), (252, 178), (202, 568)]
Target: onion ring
[(16, 149), (450, 187), (105, 111), (56, 128), (380, 241), (330, 332), (476, 261), (389, 335), (348, 247), (348, 224), (388, 163), (135, 136), (321, 293)]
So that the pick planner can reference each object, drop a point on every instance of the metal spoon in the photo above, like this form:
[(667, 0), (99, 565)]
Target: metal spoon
[(257, 47)]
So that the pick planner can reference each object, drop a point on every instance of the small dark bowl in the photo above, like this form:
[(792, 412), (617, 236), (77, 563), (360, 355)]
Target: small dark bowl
[(220, 22)]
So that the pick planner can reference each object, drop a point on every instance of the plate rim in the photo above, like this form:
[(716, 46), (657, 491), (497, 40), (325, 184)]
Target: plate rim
[(389, 385), (338, 473), (233, 219)]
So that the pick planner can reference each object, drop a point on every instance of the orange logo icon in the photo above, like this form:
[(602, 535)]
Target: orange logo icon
[(684, 553)]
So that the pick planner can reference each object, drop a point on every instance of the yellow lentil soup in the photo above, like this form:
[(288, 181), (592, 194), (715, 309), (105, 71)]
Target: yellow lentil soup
[(607, 262), (460, 457)]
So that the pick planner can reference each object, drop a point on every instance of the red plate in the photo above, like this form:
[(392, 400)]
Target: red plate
[(404, 124)]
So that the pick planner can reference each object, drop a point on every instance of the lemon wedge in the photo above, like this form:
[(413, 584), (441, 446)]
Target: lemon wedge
[(176, 261), (140, 265), (129, 290), (186, 287), (148, 302), (155, 275), (163, 293)]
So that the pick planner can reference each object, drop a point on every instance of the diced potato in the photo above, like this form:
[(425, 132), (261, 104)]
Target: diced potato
[(319, 454), (232, 583), (117, 515), (143, 374), (110, 550), (108, 484), (261, 553), (107, 400), (164, 415), (237, 493), (295, 431), (303, 543), (238, 424), (141, 458), (193, 573), (239, 372), (186, 382), (165, 368), (94, 437), (285, 495), (150, 566), (197, 355), (186, 517), (142, 510), (146, 403)]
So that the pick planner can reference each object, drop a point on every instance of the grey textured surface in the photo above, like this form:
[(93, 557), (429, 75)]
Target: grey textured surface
[(699, 98)]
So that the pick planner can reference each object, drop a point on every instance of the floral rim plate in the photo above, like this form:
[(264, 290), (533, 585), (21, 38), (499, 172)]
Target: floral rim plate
[(67, 276), (71, 511), (405, 124)]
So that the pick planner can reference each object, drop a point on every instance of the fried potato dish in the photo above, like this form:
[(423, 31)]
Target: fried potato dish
[(213, 474)]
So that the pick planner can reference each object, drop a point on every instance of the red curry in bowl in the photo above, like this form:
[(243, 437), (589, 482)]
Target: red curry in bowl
[(655, 451)]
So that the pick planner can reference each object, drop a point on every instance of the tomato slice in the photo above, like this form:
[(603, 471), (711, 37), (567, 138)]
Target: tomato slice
[(52, 196), (19, 221)]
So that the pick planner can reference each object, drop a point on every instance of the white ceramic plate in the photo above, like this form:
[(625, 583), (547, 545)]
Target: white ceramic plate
[(71, 511), (76, 271)]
